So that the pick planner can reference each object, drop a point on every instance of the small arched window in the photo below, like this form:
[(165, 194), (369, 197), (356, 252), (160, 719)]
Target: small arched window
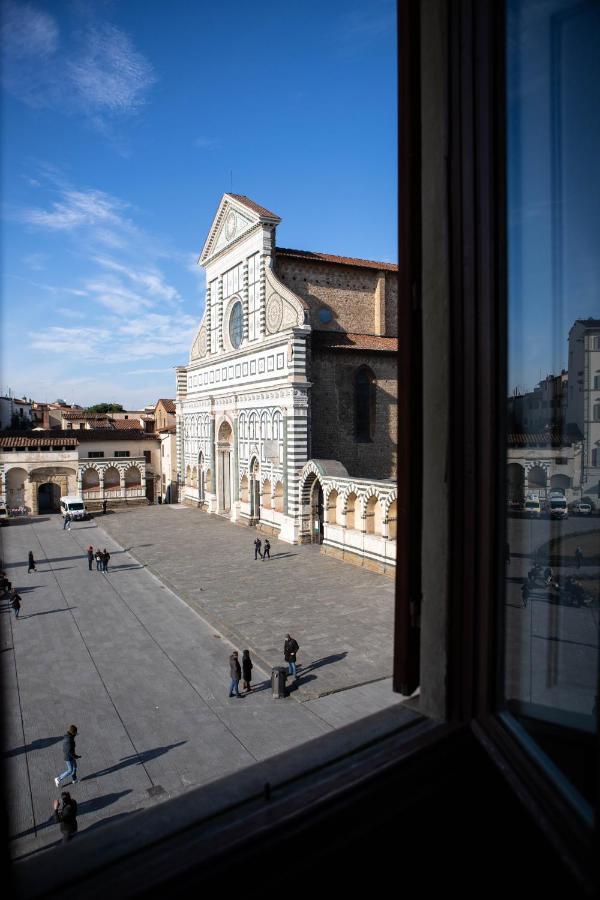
[(364, 404)]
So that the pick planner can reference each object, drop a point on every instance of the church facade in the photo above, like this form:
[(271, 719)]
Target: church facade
[(287, 408)]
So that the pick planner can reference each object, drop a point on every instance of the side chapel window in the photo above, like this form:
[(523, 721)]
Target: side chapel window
[(364, 402)]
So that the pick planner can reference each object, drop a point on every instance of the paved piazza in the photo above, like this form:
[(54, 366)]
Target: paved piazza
[(138, 658)]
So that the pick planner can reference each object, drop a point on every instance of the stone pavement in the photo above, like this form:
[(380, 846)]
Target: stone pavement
[(342, 616), (143, 675)]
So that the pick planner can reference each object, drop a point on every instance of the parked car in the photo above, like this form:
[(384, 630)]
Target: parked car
[(583, 509), (3, 515)]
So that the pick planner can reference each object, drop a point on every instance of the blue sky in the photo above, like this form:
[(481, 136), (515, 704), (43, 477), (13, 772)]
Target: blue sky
[(553, 184), (124, 122)]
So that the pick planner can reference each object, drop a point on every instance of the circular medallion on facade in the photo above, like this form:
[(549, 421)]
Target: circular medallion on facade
[(230, 226), (202, 342), (274, 312)]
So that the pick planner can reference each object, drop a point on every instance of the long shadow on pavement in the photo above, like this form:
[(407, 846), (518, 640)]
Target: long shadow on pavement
[(39, 744), (136, 759), (48, 612), (53, 559), (87, 806)]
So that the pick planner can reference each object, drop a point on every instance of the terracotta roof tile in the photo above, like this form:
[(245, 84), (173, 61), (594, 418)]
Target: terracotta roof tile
[(121, 424), (343, 340), (70, 414), (169, 405), (553, 437), (255, 207), (341, 260), (34, 440), (79, 436)]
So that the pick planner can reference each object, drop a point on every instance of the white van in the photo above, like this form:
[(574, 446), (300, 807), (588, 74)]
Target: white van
[(74, 506), (533, 506), (558, 507)]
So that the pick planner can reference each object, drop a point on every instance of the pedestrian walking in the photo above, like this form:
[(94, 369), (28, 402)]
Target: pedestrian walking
[(290, 649), (105, 559), (267, 552), (98, 560), (31, 563), (65, 813), (90, 556), (15, 602), (247, 670), (257, 546), (104, 505), (578, 556), (236, 673), (67, 522), (70, 756), (524, 593)]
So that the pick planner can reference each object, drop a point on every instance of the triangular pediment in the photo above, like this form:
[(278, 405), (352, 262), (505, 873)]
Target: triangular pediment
[(234, 218)]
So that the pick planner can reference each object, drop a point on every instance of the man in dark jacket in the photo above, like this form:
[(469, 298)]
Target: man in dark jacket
[(290, 648), (90, 556), (257, 546), (69, 755), (65, 813), (15, 602), (105, 559), (235, 670)]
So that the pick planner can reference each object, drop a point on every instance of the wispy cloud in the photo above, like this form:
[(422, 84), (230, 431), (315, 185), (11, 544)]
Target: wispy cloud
[(109, 74), (35, 261), (69, 313), (94, 71), (125, 306), (366, 23), (77, 208), (151, 280), (207, 143), (109, 342)]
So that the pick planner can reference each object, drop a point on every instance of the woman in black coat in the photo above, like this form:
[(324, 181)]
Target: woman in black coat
[(31, 562), (246, 670)]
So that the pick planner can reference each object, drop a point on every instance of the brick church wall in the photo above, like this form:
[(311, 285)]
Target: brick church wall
[(332, 411), (347, 292)]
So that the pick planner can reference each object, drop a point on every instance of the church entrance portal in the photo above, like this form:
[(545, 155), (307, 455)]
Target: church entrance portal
[(313, 515), (49, 498), (224, 448), (317, 515)]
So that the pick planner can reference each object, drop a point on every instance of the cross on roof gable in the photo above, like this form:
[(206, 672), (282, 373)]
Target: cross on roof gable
[(236, 216)]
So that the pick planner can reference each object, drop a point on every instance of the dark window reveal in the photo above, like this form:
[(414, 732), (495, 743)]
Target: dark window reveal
[(364, 392)]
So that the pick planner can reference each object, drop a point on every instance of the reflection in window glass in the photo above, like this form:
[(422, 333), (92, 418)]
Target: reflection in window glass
[(553, 480)]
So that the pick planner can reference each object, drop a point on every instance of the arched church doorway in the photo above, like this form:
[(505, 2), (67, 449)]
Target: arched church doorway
[(224, 448), (313, 514), (317, 513), (49, 498), (255, 489)]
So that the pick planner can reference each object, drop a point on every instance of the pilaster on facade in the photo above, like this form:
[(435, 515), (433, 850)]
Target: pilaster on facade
[(263, 298), (220, 313), (245, 302), (208, 318)]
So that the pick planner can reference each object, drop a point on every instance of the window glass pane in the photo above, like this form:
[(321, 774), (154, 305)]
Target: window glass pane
[(551, 608)]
